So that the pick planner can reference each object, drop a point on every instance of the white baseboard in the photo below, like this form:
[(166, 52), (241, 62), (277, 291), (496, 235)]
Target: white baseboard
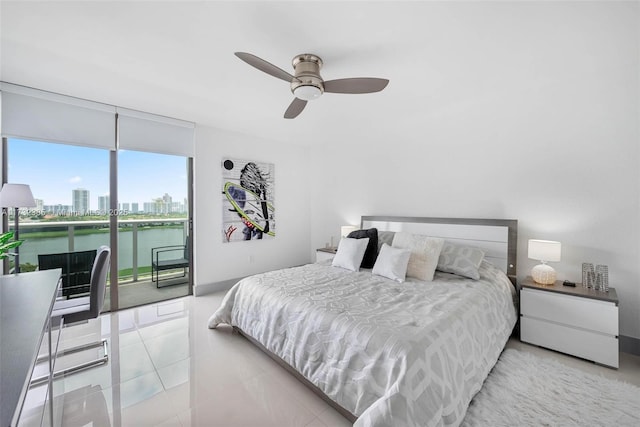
[(214, 287), (630, 345)]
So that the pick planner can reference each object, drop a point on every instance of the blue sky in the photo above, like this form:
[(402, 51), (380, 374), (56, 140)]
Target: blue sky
[(54, 170)]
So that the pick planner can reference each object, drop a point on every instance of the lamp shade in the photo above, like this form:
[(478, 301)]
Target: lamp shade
[(16, 196), (544, 250), (346, 229)]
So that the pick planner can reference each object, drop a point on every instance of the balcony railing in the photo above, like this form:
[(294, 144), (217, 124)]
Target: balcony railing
[(134, 249)]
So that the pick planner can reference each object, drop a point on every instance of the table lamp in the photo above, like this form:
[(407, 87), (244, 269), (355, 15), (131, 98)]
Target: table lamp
[(544, 251), (346, 229), (16, 196)]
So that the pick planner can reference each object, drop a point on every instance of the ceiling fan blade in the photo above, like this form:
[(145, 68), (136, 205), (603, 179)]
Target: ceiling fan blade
[(356, 85), (295, 108), (265, 66)]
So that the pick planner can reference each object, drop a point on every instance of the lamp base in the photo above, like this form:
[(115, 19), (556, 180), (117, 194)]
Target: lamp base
[(543, 274)]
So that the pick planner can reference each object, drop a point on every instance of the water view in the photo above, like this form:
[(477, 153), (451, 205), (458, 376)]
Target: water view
[(147, 239), (72, 206), (136, 236)]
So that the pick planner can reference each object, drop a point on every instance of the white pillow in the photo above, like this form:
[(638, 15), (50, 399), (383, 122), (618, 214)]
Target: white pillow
[(392, 263), (425, 252), (350, 253)]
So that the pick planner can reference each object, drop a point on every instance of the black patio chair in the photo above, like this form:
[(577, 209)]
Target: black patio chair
[(170, 257)]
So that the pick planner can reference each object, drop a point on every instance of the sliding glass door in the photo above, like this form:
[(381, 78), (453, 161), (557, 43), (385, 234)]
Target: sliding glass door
[(72, 187), (153, 227)]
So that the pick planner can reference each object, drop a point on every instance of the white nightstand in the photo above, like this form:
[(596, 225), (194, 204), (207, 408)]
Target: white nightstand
[(577, 321), (324, 254)]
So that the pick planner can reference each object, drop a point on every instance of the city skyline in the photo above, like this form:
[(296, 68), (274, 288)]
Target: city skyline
[(164, 204), (147, 175)]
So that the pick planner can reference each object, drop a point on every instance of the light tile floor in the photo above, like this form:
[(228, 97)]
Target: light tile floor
[(166, 368)]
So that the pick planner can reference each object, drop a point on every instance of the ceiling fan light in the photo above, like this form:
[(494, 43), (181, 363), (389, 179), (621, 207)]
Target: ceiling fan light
[(307, 92)]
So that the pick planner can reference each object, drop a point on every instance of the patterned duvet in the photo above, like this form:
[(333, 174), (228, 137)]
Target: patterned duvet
[(393, 354)]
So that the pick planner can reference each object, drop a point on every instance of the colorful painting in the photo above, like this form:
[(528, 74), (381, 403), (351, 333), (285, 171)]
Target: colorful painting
[(248, 211)]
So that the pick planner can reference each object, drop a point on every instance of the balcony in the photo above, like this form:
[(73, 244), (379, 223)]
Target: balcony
[(136, 237)]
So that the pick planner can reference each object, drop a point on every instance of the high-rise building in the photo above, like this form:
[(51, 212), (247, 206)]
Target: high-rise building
[(57, 209), (125, 207), (134, 207), (165, 204), (177, 207), (103, 204), (150, 207), (37, 210), (80, 197)]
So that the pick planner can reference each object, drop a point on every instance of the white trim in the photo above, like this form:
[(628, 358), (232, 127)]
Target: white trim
[(208, 288)]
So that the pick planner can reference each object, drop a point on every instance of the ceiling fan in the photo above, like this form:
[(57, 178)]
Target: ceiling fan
[(307, 84)]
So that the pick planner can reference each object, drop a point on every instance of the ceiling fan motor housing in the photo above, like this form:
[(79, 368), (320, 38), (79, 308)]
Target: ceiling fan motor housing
[(308, 84)]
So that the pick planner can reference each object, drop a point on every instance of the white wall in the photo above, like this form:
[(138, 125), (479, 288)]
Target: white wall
[(217, 261), (550, 137)]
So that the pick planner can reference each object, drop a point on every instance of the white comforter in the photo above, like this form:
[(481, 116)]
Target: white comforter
[(410, 354)]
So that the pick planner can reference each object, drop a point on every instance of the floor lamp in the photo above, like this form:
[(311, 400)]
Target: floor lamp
[(16, 196)]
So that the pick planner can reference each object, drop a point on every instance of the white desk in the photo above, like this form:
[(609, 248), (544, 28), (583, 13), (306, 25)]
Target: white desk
[(26, 301)]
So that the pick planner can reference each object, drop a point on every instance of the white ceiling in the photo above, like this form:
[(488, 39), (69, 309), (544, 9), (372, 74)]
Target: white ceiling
[(176, 59)]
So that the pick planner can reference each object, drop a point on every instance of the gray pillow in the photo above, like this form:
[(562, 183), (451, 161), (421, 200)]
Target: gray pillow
[(385, 237), (461, 260)]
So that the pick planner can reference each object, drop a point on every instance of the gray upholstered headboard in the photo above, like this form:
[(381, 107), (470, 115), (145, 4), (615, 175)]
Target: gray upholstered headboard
[(496, 237)]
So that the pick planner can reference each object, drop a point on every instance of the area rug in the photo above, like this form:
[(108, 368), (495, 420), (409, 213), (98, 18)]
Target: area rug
[(527, 390)]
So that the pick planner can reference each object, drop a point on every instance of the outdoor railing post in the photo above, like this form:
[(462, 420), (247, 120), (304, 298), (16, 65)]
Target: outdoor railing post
[(134, 255), (185, 230), (71, 229)]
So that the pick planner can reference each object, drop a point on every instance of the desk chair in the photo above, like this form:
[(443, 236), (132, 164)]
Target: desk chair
[(76, 270), (82, 309)]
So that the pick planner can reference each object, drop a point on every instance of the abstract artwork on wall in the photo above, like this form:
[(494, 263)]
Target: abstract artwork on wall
[(248, 211)]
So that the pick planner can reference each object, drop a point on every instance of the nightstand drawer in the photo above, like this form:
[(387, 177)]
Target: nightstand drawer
[(584, 313), (577, 342)]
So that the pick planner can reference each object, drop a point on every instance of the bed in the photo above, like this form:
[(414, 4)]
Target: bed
[(382, 352)]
